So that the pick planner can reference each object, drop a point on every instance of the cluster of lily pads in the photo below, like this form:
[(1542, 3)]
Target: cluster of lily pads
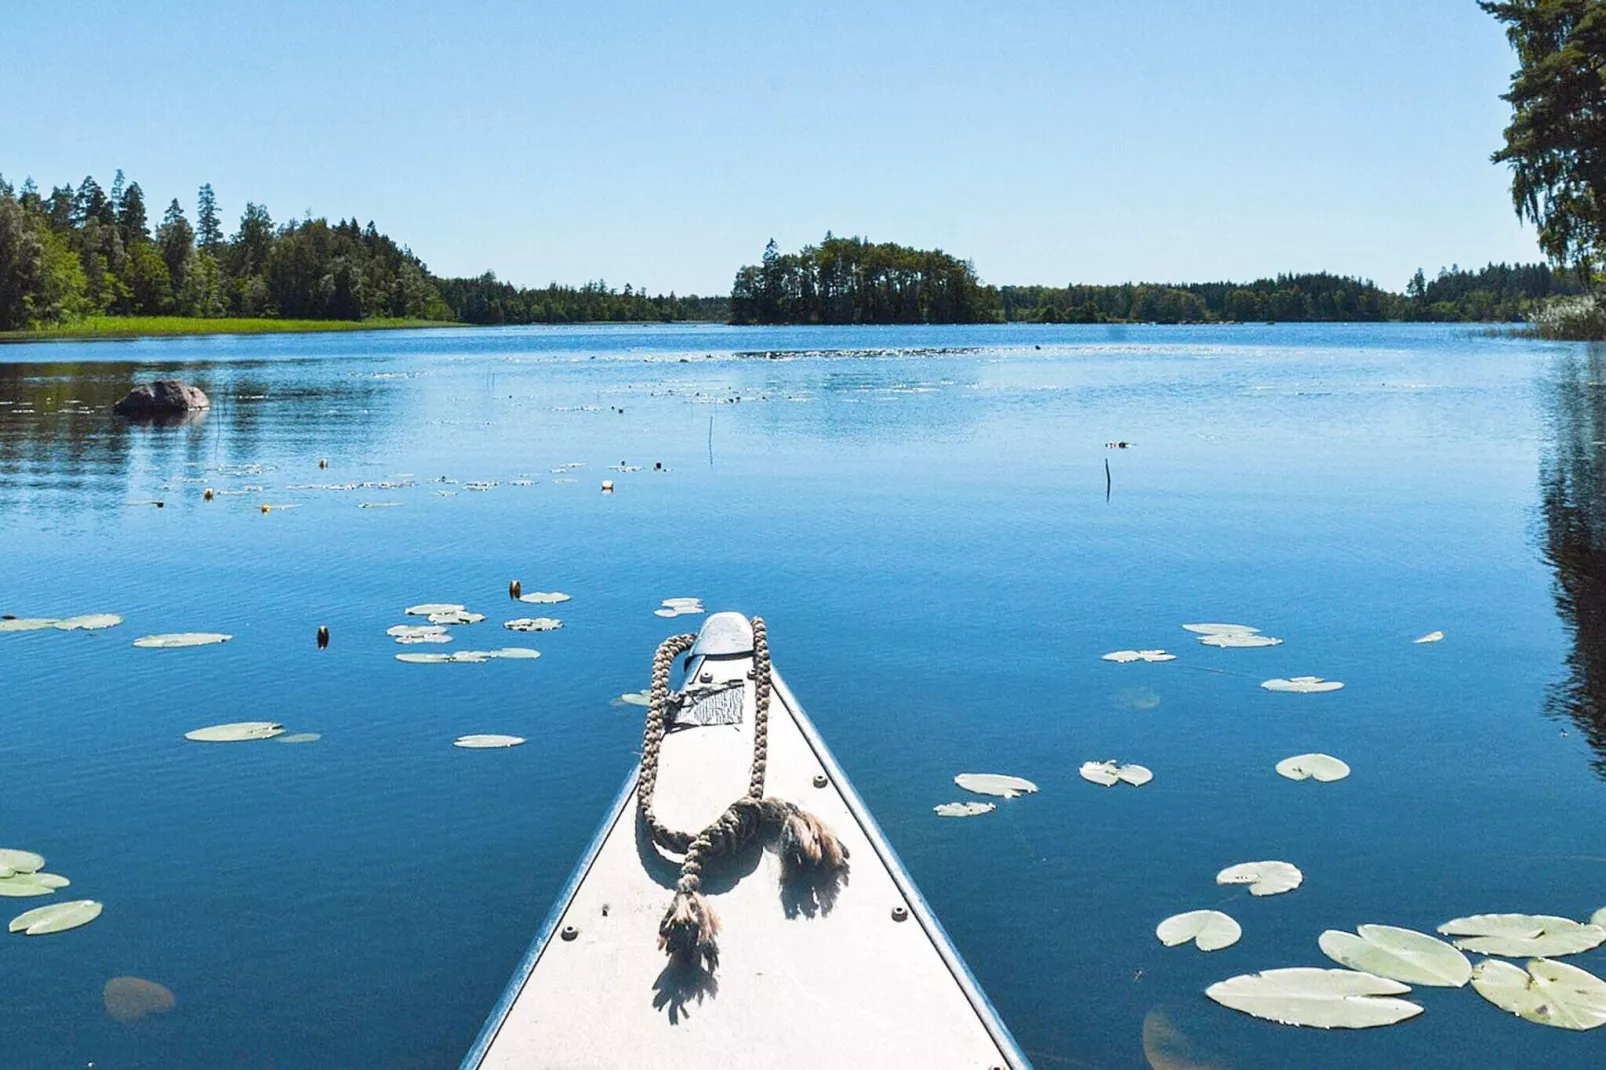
[(1383, 961), (21, 876), (998, 785), (443, 616), (87, 623), (679, 607)]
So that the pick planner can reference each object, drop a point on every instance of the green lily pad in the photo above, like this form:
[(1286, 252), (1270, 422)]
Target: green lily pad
[(1322, 768), (1210, 930), (424, 659), (1398, 954), (1125, 656), (428, 609), (412, 631), (1550, 993), (1007, 787), (544, 597), (644, 698), (1263, 878), (487, 742), (1108, 774), (27, 624), (1221, 629), (1522, 935), (129, 999), (236, 732), (533, 624), (89, 622), (15, 861), (1302, 685), (180, 639), (1325, 999), (23, 885), (516, 653), (1239, 640), (56, 918), (964, 809)]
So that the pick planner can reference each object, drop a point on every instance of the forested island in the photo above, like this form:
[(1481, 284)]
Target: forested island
[(90, 260)]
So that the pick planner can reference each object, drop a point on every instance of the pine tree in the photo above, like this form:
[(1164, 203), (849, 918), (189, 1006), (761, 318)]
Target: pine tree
[(131, 220), (209, 233), (89, 204), (176, 241)]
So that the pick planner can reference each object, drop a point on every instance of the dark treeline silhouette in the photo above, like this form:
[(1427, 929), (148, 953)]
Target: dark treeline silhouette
[(487, 300), (852, 280), (1497, 293), (92, 251)]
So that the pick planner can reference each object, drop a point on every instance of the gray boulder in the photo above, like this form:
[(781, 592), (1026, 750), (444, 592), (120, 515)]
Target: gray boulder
[(165, 397)]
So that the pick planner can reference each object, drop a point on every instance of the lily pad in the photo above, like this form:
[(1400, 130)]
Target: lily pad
[(49, 880), (459, 616), (963, 809), (178, 639), (428, 637), (666, 612), (1221, 629), (516, 653), (299, 737), (15, 861), (1124, 656), (1236, 640), (1323, 768), (129, 999), (487, 742), (1521, 935), (1550, 993), (643, 698), (24, 884), (236, 732), (424, 659), (1108, 774), (544, 597), (1398, 954), (1007, 787), (1325, 999), (533, 624), (89, 622), (1263, 878), (1302, 685), (379, 505), (27, 624), (55, 918), (404, 631), (1211, 930), (428, 609), (1431, 637)]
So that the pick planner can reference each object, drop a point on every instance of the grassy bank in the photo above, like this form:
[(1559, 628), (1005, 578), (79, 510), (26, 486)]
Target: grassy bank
[(95, 327)]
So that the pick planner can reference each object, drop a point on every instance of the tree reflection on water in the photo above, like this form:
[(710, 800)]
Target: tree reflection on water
[(1572, 478)]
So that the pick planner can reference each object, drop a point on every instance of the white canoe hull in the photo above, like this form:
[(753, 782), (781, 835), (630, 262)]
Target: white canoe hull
[(806, 980)]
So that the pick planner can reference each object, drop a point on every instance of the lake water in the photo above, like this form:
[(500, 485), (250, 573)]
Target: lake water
[(921, 515)]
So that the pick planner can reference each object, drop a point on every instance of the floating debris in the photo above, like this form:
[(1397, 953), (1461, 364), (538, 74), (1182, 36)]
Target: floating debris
[(1549, 993), (1398, 954), (963, 809), (1210, 930), (533, 624), (1431, 637), (1325, 999), (178, 639), (1520, 935), (429, 609), (999, 784), (1124, 656), (237, 732), (55, 918), (89, 622), (542, 597), (487, 742), (1263, 878), (1108, 774), (1302, 685), (128, 999), (27, 624), (1323, 768)]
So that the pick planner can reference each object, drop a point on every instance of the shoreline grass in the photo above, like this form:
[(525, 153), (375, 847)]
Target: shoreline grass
[(127, 327)]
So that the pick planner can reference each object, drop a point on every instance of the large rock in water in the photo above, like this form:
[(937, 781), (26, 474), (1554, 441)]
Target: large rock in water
[(165, 397)]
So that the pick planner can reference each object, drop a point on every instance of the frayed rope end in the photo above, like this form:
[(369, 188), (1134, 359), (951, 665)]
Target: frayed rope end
[(808, 845), (688, 929)]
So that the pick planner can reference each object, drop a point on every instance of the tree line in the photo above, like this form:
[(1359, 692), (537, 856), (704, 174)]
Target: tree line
[(487, 300)]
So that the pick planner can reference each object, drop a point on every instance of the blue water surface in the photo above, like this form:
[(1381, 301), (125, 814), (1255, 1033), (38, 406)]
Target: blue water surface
[(924, 518)]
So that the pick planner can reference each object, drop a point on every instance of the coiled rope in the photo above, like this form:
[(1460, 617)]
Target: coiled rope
[(689, 926)]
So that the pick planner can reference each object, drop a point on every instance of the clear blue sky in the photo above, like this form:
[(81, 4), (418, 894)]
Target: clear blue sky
[(662, 144)]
